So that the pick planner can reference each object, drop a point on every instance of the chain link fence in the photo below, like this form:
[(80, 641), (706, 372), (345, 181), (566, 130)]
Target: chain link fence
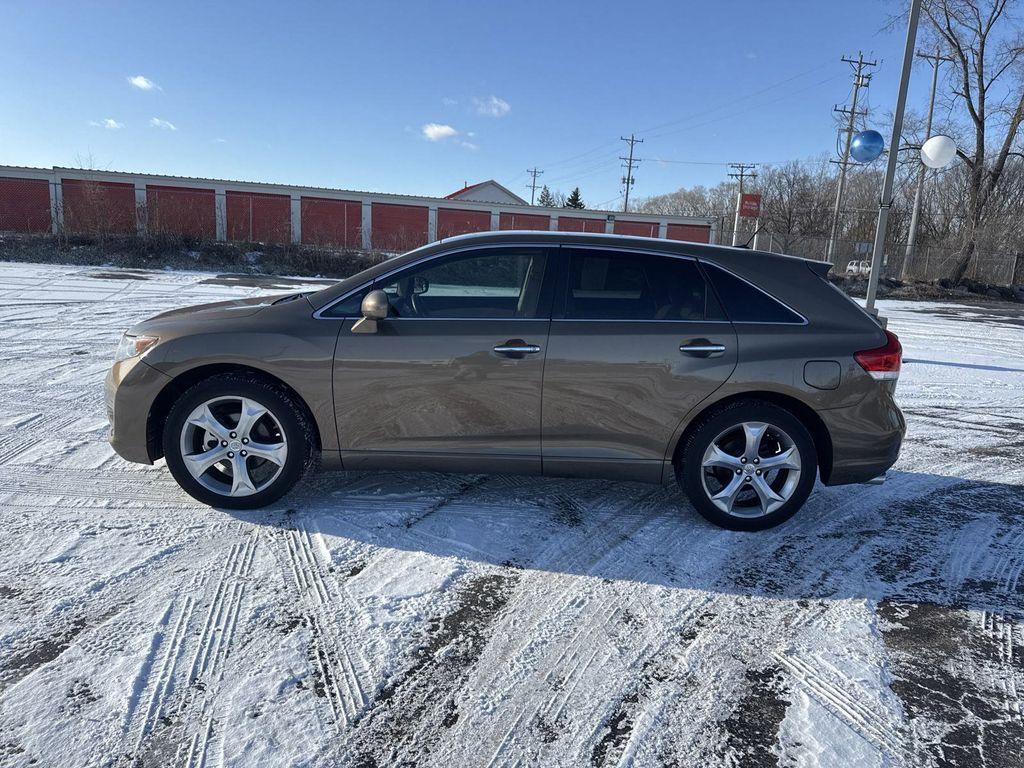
[(928, 262)]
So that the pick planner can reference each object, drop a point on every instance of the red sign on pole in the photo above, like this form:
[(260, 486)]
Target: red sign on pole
[(750, 205)]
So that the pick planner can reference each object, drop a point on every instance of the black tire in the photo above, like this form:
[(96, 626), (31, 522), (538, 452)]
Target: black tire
[(294, 423), (690, 472)]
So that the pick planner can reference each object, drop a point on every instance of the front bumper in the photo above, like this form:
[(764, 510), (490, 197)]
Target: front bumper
[(130, 389), (866, 438)]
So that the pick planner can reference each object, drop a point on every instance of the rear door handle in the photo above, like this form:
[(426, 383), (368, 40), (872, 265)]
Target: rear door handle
[(702, 348), (516, 348)]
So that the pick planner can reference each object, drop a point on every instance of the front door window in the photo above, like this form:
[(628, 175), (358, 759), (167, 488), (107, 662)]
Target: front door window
[(498, 283)]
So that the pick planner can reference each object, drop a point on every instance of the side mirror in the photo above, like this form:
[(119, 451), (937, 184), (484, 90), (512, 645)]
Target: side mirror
[(420, 285), (374, 307)]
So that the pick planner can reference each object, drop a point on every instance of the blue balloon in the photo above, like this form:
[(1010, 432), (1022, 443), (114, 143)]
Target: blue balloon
[(867, 146)]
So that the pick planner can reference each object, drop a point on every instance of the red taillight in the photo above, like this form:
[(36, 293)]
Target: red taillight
[(882, 362)]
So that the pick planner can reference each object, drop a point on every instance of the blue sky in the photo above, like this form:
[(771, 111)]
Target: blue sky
[(341, 94)]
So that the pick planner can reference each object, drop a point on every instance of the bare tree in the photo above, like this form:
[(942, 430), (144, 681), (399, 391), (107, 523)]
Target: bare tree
[(987, 48)]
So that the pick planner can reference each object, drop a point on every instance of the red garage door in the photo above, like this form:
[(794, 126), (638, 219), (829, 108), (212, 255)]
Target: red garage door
[(451, 222), (577, 224), (98, 207), (254, 217), (693, 233), (523, 221), (398, 227), (181, 211), (636, 228), (332, 222), (24, 205)]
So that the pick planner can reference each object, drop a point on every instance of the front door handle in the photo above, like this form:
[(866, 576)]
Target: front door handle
[(702, 348), (516, 348)]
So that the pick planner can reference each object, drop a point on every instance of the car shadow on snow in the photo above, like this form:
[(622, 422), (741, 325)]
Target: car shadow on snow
[(920, 537)]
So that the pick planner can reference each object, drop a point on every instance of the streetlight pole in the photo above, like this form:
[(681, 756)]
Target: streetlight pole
[(936, 59), (885, 202)]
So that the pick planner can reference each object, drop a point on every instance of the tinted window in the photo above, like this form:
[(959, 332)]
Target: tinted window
[(609, 285), (746, 304), (349, 306), (500, 283)]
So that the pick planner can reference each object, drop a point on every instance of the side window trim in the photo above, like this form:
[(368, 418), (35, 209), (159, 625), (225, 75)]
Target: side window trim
[(549, 251), (707, 263)]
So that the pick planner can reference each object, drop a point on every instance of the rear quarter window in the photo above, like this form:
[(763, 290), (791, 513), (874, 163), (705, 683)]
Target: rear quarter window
[(745, 303)]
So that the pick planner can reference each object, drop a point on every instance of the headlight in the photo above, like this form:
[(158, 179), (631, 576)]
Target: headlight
[(133, 346)]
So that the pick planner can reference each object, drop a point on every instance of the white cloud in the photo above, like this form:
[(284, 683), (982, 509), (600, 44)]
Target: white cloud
[(220, 141), (469, 145), (438, 131), (143, 83), (108, 122), (156, 122), (492, 106), (448, 101)]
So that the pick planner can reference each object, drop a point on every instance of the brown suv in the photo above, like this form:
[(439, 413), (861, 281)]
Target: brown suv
[(743, 375)]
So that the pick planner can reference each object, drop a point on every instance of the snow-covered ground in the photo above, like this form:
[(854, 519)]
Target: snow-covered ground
[(420, 619)]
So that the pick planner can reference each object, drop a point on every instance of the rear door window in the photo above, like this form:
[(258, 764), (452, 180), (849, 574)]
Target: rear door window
[(621, 285), (745, 303)]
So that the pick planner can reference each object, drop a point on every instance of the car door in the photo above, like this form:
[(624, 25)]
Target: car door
[(637, 339), (452, 378)]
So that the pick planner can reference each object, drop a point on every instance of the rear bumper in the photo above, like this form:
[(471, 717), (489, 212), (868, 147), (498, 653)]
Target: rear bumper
[(129, 392), (866, 438)]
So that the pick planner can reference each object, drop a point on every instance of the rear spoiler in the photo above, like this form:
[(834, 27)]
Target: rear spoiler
[(820, 268)]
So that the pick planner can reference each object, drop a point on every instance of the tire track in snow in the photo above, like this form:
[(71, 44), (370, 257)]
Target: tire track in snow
[(176, 725), (86, 485), (414, 709), (214, 647), (591, 609), (18, 443), (159, 671), (343, 676), (837, 699), (1002, 631)]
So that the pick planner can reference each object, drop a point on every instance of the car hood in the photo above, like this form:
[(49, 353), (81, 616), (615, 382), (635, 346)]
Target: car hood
[(218, 310)]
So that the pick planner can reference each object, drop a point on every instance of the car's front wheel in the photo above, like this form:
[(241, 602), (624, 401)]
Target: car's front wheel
[(748, 466), (236, 442)]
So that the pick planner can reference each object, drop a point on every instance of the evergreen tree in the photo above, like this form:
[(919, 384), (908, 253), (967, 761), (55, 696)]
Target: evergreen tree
[(546, 198), (575, 199)]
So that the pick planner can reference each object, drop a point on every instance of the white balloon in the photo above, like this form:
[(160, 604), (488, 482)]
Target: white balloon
[(938, 151)]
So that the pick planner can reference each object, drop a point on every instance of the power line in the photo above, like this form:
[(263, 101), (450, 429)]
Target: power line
[(861, 79), (628, 179), (534, 172), (752, 94), (746, 108), (703, 162), (743, 171)]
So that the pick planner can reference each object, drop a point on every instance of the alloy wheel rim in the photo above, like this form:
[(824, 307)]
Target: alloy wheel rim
[(751, 469), (233, 446)]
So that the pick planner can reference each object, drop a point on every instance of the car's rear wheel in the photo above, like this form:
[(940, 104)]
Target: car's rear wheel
[(235, 442), (748, 466)]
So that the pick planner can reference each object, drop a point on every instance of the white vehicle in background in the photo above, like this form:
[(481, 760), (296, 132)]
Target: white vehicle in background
[(859, 268)]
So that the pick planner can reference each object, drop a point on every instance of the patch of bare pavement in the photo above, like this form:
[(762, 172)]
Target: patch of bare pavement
[(432, 620)]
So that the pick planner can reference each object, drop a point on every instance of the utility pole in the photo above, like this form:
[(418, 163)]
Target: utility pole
[(628, 179), (885, 202), (743, 171), (534, 172), (936, 59), (861, 79)]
